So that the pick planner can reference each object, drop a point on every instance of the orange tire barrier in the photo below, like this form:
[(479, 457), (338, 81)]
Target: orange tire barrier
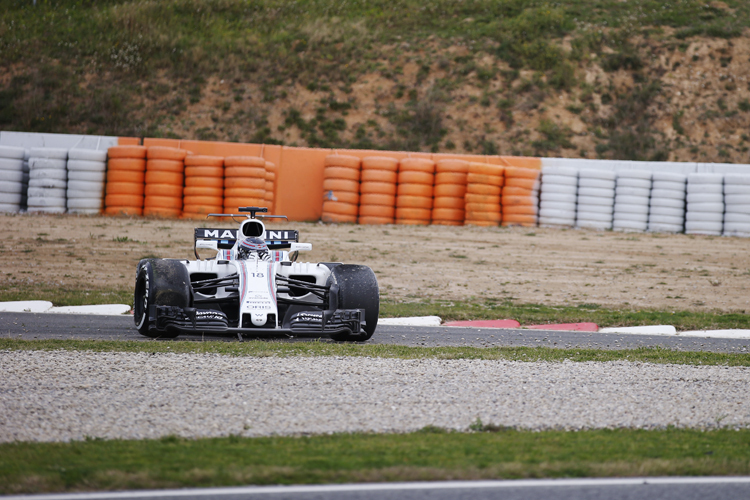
[(366, 219), (165, 166), (448, 207), (416, 179), (173, 190), (166, 153), (165, 176), (489, 189), (248, 172), (521, 210), (270, 185), (387, 200), (348, 197), (388, 212), (450, 190), (388, 188), (341, 189), (137, 152), (125, 187), (414, 190), (244, 192), (203, 191), (379, 176), (244, 183), (520, 198), (205, 171), (126, 164), (215, 182), (483, 189), (159, 177), (448, 202), (133, 188)]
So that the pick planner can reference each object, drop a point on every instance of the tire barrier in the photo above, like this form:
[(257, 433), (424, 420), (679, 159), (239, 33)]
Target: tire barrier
[(520, 197), (12, 175), (244, 182), (632, 197), (164, 181), (557, 201), (341, 188), (48, 180), (737, 205), (86, 196), (449, 203), (126, 175), (203, 192), (704, 213), (596, 199), (416, 181), (377, 190), (270, 186), (484, 183), (666, 212)]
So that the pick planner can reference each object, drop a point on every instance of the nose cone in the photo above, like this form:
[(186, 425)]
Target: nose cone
[(259, 319)]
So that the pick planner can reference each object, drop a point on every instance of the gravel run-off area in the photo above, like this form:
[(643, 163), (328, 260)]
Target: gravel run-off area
[(61, 395)]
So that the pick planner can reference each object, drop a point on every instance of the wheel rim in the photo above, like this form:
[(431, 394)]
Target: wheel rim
[(140, 303)]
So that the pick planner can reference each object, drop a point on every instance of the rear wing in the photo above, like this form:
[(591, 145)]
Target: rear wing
[(276, 239)]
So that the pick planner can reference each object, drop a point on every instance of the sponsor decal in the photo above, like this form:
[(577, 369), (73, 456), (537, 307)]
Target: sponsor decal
[(233, 234)]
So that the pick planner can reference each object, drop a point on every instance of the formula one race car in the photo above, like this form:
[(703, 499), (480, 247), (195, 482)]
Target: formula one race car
[(253, 285)]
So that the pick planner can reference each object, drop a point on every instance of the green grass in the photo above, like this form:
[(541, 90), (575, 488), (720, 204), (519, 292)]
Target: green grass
[(65, 295), (259, 348), (431, 454), (529, 314)]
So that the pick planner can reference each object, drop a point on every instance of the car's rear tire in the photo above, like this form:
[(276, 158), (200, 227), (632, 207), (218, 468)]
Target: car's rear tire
[(161, 282), (357, 289)]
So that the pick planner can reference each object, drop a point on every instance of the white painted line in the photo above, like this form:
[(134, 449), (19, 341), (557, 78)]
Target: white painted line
[(101, 310), (435, 485), (34, 306), (642, 330), (413, 321), (719, 334)]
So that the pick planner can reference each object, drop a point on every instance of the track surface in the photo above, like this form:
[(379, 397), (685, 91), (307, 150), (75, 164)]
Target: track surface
[(30, 326)]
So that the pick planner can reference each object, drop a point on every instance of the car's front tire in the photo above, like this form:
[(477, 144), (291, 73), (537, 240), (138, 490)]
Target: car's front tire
[(357, 289), (159, 282)]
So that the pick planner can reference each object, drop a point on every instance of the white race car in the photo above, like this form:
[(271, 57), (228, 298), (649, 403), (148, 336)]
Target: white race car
[(253, 285)]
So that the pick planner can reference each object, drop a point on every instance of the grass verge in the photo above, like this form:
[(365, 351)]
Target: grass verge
[(65, 295), (284, 349), (430, 454), (526, 314), (530, 314)]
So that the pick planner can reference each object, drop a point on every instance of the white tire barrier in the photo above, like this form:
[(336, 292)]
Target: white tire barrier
[(96, 155), (596, 199), (632, 195), (736, 205), (704, 217), (87, 169), (12, 179), (47, 180), (558, 196), (667, 203)]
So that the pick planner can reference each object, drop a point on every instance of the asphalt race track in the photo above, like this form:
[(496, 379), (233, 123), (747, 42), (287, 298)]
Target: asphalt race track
[(30, 326)]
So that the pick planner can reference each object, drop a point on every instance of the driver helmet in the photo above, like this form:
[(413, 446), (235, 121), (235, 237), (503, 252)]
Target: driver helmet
[(253, 247)]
